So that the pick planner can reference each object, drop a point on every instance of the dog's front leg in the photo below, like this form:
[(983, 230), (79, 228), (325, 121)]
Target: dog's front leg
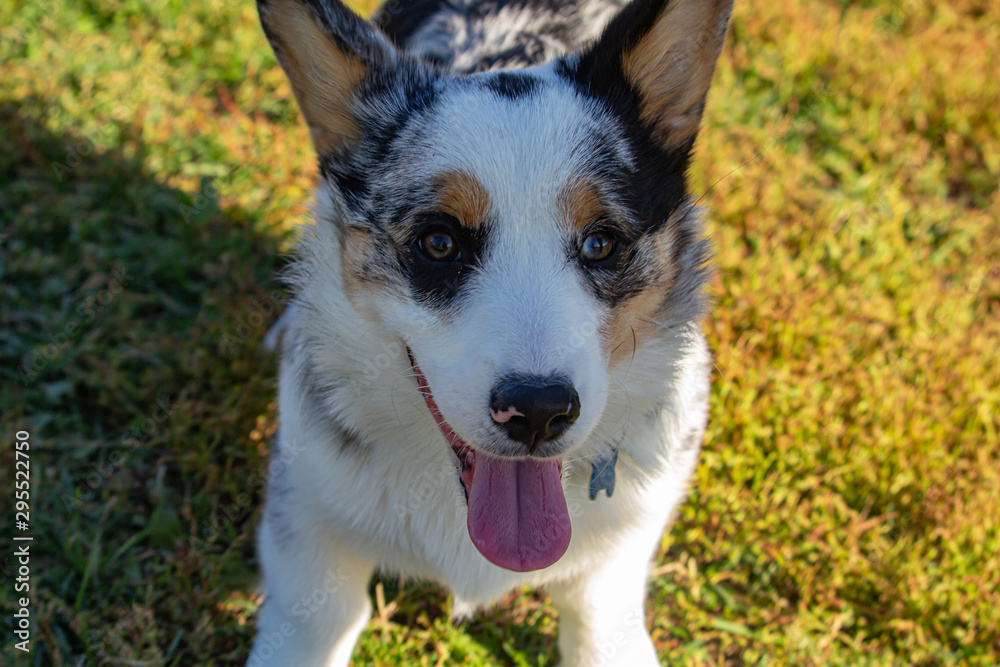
[(601, 617), (316, 601)]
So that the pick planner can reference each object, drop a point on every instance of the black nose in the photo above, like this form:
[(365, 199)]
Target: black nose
[(534, 409)]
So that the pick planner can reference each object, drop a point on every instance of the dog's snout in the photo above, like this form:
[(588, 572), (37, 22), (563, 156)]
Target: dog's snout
[(532, 409)]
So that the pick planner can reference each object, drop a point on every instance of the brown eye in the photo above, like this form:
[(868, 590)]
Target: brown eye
[(438, 245), (597, 247)]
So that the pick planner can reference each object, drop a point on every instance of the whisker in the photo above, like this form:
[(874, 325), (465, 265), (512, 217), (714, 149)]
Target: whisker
[(756, 156)]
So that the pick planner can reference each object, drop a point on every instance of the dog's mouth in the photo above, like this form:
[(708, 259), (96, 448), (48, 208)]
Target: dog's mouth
[(517, 516)]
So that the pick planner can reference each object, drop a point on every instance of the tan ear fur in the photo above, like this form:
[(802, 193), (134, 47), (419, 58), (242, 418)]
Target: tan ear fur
[(323, 76), (672, 66)]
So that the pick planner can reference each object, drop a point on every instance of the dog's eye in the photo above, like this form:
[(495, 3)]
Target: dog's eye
[(438, 245), (598, 247)]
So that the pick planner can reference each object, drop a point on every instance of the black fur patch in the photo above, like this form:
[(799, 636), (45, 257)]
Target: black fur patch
[(401, 20), (512, 85), (601, 64), (622, 278), (529, 51), (438, 284), (347, 178), (415, 87)]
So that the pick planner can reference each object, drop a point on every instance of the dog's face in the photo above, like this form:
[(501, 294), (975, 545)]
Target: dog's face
[(520, 232)]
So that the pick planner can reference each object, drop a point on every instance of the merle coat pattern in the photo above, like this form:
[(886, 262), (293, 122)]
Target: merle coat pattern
[(500, 296)]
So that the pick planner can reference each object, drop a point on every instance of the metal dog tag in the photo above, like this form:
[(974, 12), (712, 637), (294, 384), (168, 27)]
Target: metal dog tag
[(603, 475)]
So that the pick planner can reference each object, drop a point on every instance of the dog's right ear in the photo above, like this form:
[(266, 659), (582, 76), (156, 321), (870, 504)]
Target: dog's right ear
[(659, 55), (327, 51)]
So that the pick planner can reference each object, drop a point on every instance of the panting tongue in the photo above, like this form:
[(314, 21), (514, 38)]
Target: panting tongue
[(517, 513)]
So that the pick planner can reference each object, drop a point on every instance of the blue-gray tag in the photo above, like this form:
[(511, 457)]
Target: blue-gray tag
[(603, 476)]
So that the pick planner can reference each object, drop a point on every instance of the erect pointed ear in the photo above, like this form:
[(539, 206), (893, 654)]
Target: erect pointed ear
[(657, 56), (327, 51)]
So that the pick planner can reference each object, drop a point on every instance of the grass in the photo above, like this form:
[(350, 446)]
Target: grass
[(847, 507)]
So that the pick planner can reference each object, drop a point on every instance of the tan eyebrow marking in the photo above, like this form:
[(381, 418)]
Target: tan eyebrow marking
[(580, 204), (460, 194)]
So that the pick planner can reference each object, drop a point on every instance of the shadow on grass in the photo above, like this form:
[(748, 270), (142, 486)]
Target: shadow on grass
[(131, 319), (518, 631), (129, 334)]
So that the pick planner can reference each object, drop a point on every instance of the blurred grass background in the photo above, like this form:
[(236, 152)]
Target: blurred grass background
[(847, 507)]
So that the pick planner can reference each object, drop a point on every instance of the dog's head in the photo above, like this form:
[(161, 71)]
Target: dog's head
[(519, 231)]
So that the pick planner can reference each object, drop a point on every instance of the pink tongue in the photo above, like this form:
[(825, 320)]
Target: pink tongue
[(517, 513)]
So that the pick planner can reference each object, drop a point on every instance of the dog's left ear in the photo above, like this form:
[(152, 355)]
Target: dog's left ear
[(327, 51), (657, 58)]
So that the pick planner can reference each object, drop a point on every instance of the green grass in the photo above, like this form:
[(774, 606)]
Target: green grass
[(847, 507)]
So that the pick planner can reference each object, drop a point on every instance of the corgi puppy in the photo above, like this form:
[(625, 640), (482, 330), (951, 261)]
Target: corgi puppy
[(493, 373)]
